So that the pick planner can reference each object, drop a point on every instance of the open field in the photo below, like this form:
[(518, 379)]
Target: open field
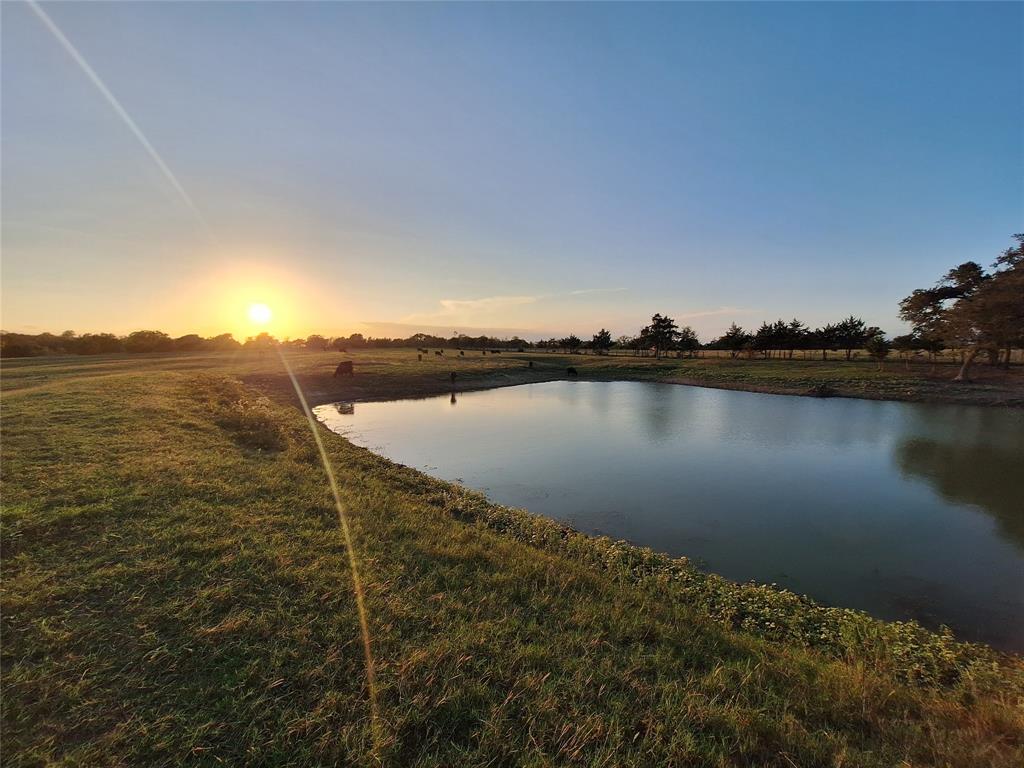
[(175, 592)]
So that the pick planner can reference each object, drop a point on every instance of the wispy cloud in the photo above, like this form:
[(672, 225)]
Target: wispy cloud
[(470, 310), (585, 291), (488, 304), (465, 310)]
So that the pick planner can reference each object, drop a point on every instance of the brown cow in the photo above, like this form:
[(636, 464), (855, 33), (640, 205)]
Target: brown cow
[(344, 369)]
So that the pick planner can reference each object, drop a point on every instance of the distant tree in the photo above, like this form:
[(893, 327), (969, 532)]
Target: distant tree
[(878, 348), (224, 342), (20, 345), (905, 346), (316, 342), (764, 339), (734, 340), (571, 342), (148, 341), (190, 342), (661, 334), (850, 334), (972, 310), (601, 342), (98, 344), (687, 341), (261, 340), (796, 336)]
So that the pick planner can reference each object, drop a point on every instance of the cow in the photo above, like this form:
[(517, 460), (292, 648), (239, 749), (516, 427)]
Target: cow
[(462, 353), (530, 364), (439, 353), (572, 371), (344, 369)]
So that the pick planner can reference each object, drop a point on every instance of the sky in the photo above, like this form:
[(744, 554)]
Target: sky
[(522, 168)]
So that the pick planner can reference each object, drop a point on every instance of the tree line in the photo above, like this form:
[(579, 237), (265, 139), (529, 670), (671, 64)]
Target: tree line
[(71, 343), (970, 310)]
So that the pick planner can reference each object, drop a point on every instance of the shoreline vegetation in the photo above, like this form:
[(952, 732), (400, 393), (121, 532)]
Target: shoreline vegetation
[(175, 591)]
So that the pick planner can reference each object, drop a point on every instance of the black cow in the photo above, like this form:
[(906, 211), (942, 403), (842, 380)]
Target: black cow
[(572, 371), (344, 369)]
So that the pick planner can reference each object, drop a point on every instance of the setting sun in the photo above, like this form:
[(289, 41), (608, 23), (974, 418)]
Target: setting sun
[(260, 314)]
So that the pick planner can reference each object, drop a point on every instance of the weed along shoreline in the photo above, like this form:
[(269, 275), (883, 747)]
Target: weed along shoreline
[(373, 380), (601, 457), (175, 585), (768, 610)]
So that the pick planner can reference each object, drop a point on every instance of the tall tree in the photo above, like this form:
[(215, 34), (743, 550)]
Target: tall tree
[(851, 334), (148, 341), (972, 310), (688, 341), (906, 345), (571, 342), (796, 336), (661, 334), (734, 339), (878, 348), (316, 342), (601, 342), (825, 338)]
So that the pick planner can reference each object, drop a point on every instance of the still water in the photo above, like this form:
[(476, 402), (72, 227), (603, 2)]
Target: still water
[(906, 511)]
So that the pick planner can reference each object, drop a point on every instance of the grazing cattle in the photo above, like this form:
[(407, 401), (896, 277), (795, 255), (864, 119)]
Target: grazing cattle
[(344, 369), (495, 351), (438, 353), (572, 371)]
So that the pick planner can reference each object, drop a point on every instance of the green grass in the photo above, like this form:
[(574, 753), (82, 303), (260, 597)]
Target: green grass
[(175, 592)]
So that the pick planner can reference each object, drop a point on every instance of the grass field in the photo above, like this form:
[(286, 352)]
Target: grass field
[(175, 592)]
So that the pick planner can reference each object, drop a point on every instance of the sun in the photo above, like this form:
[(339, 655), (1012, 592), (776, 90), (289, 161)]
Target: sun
[(260, 314)]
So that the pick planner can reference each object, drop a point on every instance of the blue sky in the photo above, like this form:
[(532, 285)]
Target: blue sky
[(544, 168)]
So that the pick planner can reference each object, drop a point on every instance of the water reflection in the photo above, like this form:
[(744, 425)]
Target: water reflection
[(822, 496), (974, 474)]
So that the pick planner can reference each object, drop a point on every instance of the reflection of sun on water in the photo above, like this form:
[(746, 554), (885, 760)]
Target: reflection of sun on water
[(259, 314)]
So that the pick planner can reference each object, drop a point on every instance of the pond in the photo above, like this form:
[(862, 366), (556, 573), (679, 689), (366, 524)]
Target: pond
[(904, 510)]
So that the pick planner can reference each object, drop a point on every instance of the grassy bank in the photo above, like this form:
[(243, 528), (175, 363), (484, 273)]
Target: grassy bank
[(175, 593)]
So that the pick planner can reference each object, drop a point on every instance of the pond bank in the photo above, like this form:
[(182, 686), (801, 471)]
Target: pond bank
[(171, 550), (393, 374)]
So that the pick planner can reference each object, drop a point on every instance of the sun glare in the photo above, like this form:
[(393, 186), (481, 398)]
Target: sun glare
[(259, 314)]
